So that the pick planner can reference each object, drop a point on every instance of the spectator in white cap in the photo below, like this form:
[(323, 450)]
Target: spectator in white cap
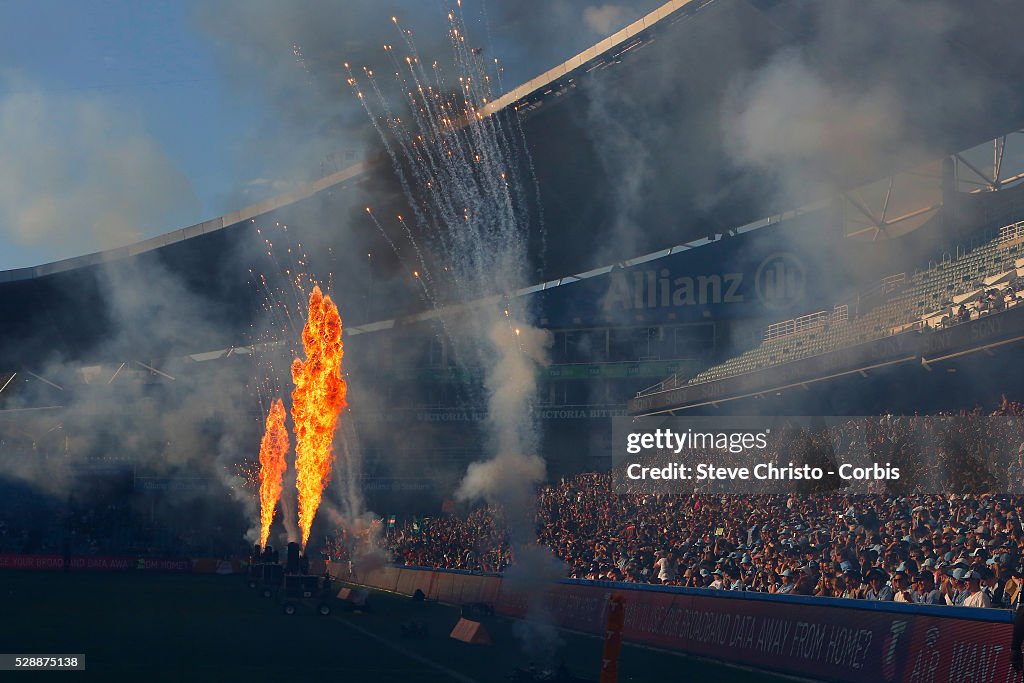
[(787, 583), (975, 596), (953, 587)]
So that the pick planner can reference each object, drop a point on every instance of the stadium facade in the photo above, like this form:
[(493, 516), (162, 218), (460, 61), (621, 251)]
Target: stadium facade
[(641, 290)]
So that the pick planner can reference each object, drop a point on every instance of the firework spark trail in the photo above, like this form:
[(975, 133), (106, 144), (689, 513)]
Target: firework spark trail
[(266, 381), (462, 175), (451, 178), (424, 280), (425, 111), (421, 259), (265, 342), (273, 450), (400, 174), (471, 141), (317, 400), (405, 140), (273, 303), (300, 59), (383, 232), (294, 274), (273, 306)]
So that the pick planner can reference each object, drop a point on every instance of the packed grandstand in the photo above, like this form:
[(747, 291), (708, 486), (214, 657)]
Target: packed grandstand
[(953, 549)]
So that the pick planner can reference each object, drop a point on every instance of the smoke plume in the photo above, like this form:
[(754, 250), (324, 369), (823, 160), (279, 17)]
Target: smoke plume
[(510, 477)]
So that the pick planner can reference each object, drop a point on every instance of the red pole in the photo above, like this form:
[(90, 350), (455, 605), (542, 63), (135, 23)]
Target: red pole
[(613, 639)]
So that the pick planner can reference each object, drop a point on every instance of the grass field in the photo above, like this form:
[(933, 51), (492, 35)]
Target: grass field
[(164, 627)]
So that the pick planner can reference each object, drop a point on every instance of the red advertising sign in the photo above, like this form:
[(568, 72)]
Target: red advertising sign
[(12, 561), (93, 563)]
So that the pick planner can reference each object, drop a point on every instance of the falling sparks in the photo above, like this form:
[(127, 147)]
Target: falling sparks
[(465, 170), (273, 450), (247, 473), (317, 400)]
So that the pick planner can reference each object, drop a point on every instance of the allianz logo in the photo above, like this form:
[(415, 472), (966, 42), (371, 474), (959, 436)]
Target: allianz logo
[(779, 282)]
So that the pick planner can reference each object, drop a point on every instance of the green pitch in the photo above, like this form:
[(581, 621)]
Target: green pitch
[(162, 627)]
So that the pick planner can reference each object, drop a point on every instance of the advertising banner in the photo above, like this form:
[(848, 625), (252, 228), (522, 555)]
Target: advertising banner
[(822, 638), (13, 561), (94, 563)]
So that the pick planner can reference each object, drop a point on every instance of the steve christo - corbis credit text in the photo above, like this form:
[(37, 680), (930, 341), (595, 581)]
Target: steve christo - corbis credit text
[(669, 441)]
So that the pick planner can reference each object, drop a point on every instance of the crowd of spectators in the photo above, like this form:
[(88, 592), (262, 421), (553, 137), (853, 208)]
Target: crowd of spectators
[(959, 547), (991, 300), (476, 541)]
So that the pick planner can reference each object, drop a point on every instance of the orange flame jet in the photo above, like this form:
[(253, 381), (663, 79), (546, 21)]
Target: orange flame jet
[(273, 450), (317, 400)]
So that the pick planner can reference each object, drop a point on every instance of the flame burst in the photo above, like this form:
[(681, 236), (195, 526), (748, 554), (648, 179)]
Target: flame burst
[(273, 450), (317, 400)]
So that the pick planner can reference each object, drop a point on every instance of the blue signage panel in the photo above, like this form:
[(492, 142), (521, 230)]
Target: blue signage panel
[(766, 274)]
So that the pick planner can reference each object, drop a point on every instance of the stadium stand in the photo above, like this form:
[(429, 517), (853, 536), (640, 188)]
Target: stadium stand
[(980, 281), (890, 545)]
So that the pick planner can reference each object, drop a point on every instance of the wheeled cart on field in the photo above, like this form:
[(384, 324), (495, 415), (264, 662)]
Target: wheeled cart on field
[(306, 589)]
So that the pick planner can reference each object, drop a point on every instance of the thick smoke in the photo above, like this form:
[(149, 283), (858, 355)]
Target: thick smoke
[(348, 470), (715, 123), (290, 508), (811, 133), (857, 97), (510, 477), (851, 102), (536, 568), (603, 20), (136, 399), (79, 174), (533, 36), (345, 505)]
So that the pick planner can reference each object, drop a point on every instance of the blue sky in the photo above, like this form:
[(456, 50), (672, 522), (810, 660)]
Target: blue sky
[(142, 60), (123, 119)]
